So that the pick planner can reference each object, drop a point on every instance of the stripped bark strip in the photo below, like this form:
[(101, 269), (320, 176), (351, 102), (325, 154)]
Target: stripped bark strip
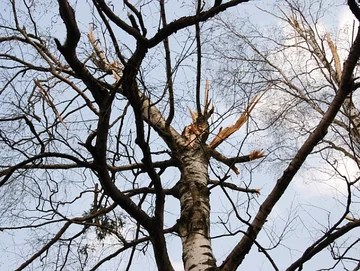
[(335, 56), (223, 134)]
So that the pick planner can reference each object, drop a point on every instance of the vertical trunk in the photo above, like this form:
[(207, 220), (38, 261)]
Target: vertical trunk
[(194, 223)]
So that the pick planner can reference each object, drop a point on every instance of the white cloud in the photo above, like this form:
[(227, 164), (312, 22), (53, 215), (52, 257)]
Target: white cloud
[(323, 179), (347, 28), (346, 18)]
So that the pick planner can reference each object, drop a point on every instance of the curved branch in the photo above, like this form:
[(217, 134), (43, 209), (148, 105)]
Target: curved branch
[(186, 21), (168, 68), (117, 252), (68, 50), (61, 232), (120, 23)]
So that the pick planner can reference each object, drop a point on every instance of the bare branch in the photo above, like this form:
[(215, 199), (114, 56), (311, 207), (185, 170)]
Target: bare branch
[(323, 244), (169, 84), (234, 187), (243, 247)]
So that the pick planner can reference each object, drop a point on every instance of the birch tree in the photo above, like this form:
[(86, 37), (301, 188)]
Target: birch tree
[(100, 130), (306, 62)]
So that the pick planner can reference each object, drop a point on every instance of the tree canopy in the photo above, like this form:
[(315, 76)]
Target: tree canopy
[(183, 135)]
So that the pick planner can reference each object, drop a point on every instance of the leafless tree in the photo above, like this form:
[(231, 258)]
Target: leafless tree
[(93, 99), (308, 69)]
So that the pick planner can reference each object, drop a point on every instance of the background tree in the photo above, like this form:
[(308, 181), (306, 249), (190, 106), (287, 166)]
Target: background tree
[(305, 64), (92, 150)]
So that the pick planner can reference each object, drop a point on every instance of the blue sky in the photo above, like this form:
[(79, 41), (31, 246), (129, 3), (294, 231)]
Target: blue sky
[(304, 204)]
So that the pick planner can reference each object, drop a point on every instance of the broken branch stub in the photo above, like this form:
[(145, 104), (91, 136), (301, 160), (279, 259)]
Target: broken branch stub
[(199, 128), (256, 154)]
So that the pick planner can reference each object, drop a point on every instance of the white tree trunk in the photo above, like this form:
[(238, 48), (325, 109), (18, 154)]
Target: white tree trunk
[(194, 223)]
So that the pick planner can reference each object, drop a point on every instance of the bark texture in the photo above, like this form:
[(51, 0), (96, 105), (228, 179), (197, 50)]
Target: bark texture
[(194, 224)]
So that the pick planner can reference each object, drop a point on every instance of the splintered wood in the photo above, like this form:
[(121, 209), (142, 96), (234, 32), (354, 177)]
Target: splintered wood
[(223, 134), (228, 131), (256, 154), (101, 61), (199, 128)]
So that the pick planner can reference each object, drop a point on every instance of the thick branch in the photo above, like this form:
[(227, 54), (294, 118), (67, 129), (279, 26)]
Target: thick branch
[(330, 239), (230, 162), (68, 50), (138, 15), (237, 255), (354, 8), (131, 91), (120, 23), (184, 22), (104, 100)]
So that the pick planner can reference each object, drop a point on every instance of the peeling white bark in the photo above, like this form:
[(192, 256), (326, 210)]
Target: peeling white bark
[(194, 226), (352, 113), (197, 253), (156, 120)]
